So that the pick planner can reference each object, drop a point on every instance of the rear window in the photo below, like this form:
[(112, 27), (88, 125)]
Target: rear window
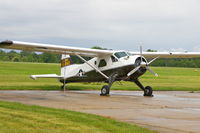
[(102, 63)]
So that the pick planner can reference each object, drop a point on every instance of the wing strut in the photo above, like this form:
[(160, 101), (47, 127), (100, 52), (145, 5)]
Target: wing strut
[(92, 66)]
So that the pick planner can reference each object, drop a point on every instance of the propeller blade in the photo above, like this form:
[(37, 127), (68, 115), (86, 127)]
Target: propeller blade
[(140, 50), (151, 71), (152, 60), (143, 65), (140, 53), (133, 71)]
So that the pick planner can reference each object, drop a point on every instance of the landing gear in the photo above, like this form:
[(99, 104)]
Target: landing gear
[(148, 91), (64, 86), (105, 90)]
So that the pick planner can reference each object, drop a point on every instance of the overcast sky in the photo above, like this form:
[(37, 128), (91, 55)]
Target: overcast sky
[(172, 25)]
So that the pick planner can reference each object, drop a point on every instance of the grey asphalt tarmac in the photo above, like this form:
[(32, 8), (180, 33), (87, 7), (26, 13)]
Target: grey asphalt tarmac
[(166, 112)]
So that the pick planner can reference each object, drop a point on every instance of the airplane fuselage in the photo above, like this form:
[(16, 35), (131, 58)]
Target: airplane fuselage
[(120, 66)]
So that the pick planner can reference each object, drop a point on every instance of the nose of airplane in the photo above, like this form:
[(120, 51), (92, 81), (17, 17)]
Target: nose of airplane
[(140, 61)]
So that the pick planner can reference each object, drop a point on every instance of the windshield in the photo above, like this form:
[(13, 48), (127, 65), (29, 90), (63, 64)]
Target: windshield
[(129, 54), (120, 54)]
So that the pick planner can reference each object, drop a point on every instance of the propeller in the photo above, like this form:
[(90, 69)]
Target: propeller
[(143, 65), (133, 71)]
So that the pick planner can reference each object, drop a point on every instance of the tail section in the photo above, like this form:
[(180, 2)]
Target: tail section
[(65, 62)]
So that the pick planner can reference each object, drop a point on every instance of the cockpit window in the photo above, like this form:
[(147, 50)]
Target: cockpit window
[(113, 59), (120, 54), (129, 54)]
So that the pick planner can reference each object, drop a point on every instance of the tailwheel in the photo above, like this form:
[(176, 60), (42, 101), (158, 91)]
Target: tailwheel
[(148, 91), (105, 90), (62, 87)]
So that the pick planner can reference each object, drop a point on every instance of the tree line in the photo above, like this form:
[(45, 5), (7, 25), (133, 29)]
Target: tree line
[(27, 56)]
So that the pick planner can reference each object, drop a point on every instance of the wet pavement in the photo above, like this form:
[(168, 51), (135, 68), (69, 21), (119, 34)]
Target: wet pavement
[(167, 111)]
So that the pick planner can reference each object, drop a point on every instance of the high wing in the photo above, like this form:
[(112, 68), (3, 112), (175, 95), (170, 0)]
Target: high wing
[(168, 54), (87, 51), (54, 48)]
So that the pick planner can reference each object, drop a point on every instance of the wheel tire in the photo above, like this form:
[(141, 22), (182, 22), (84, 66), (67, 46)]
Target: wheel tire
[(105, 90), (62, 87), (148, 91)]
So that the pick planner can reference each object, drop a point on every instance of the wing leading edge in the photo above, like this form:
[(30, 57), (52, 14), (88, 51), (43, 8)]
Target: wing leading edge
[(39, 47)]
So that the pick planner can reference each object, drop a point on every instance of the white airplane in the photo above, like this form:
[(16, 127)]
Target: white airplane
[(104, 66)]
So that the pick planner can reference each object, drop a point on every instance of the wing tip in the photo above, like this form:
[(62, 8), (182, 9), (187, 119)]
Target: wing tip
[(6, 43)]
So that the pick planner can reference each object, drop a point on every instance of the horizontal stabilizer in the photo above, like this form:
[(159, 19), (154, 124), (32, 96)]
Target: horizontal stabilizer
[(46, 76)]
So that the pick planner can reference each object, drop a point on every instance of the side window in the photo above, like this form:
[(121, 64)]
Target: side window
[(113, 59), (102, 63)]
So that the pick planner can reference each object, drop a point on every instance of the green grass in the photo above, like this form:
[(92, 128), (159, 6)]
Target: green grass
[(15, 76), (20, 118)]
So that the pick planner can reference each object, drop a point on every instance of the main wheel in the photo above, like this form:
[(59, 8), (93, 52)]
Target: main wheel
[(148, 91), (105, 90)]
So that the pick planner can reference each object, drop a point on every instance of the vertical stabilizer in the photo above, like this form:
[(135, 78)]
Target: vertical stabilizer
[(65, 62)]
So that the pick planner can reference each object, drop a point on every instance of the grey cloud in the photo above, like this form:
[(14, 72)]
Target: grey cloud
[(114, 24)]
